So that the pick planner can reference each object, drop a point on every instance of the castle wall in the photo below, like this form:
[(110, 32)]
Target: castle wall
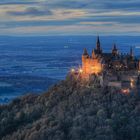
[(115, 84), (111, 61), (91, 66)]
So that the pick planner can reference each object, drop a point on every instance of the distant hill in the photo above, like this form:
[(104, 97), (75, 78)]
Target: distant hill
[(13, 86), (72, 111)]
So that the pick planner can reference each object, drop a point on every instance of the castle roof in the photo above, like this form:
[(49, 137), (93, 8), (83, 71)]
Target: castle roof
[(106, 55), (114, 47), (85, 52)]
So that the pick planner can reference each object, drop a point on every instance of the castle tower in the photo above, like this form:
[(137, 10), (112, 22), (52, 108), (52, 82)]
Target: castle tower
[(85, 53), (93, 54), (98, 43), (90, 65), (114, 50), (98, 49), (85, 58)]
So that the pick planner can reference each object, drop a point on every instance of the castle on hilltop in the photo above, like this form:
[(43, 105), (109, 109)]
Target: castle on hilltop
[(100, 61), (113, 69)]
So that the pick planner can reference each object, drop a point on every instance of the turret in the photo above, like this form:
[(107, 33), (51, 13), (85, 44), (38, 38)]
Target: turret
[(98, 49), (85, 58), (114, 50), (93, 54), (85, 53), (98, 43)]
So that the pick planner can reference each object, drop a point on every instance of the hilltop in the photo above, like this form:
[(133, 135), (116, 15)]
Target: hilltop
[(71, 110)]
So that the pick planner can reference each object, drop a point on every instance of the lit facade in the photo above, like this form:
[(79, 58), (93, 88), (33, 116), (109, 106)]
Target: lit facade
[(100, 61)]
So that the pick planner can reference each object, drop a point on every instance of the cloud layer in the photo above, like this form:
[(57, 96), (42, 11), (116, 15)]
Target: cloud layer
[(51, 17)]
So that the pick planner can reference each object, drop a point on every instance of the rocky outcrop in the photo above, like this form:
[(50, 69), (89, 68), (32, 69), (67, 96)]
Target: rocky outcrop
[(72, 110)]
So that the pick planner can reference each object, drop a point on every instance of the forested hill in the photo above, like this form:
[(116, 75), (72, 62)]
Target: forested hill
[(72, 111)]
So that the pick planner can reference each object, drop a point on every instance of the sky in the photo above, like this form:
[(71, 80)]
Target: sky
[(69, 17)]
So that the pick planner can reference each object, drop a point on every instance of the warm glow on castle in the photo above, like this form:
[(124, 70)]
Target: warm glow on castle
[(92, 64), (100, 61), (109, 69)]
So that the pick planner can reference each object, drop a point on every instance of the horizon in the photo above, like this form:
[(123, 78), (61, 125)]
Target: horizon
[(72, 35)]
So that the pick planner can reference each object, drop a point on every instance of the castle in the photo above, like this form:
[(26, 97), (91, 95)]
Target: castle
[(113, 61), (114, 69), (121, 71)]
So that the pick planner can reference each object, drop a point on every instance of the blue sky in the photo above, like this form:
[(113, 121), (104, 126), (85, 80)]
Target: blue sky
[(69, 17)]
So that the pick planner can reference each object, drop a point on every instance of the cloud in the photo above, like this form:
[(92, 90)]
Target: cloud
[(126, 5), (15, 2), (36, 23), (99, 5), (32, 11), (111, 18), (75, 30), (74, 16)]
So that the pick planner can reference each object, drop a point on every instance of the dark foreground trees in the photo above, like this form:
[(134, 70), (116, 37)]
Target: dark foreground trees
[(69, 111)]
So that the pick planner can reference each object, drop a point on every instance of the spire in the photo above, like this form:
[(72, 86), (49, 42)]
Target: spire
[(131, 52), (85, 52), (98, 44), (114, 50), (98, 49), (93, 54), (114, 47)]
